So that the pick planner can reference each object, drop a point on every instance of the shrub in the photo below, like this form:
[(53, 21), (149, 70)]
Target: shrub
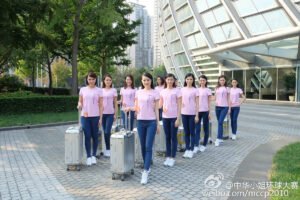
[(10, 83), (38, 104)]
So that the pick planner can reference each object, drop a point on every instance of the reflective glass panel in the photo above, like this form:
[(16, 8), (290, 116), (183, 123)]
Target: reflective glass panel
[(209, 19), (257, 25), (277, 19)]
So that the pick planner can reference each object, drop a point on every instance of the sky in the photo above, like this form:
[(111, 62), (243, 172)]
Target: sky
[(148, 3)]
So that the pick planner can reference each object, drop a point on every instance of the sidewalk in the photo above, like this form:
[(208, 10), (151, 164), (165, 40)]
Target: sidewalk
[(32, 162)]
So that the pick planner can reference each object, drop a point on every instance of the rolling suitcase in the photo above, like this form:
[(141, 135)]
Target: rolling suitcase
[(226, 128), (122, 153), (74, 147), (160, 141), (180, 139), (138, 158)]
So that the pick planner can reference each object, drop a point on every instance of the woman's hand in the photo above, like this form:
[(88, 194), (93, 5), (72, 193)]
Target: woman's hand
[(115, 117), (100, 122), (79, 106), (177, 123), (196, 119)]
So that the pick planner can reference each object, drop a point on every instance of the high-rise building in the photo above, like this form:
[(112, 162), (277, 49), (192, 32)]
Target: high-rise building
[(254, 41), (141, 53), (157, 59)]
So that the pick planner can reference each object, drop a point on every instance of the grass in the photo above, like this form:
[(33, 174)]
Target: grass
[(37, 118), (286, 169)]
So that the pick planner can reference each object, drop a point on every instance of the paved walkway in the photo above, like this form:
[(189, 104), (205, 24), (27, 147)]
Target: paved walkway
[(32, 163)]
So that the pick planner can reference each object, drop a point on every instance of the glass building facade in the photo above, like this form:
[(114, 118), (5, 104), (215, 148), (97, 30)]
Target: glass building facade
[(253, 41)]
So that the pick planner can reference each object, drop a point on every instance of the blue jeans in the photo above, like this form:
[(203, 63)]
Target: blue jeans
[(233, 116), (204, 116), (107, 122), (188, 122), (131, 119), (171, 136), (90, 128), (221, 113), (147, 131)]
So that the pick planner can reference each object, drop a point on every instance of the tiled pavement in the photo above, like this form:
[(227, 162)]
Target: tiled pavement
[(32, 162)]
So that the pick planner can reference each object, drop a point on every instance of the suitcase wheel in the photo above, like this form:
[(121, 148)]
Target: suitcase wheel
[(68, 169), (132, 172), (122, 178), (113, 177)]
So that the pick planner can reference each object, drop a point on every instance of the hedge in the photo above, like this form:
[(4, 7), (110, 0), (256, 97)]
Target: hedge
[(18, 105), (56, 91)]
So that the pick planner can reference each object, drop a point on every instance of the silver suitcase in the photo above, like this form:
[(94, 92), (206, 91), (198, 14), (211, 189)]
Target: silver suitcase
[(181, 139), (74, 147), (160, 141), (138, 158), (122, 153)]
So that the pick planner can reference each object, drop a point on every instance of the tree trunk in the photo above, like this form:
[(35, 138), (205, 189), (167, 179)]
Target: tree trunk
[(33, 78), (75, 47), (49, 62)]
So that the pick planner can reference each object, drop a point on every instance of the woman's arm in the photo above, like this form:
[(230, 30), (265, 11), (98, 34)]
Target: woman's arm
[(157, 114), (100, 109), (243, 98), (116, 107), (80, 103), (177, 122)]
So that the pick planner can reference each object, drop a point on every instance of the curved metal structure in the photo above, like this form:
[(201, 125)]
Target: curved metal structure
[(246, 37)]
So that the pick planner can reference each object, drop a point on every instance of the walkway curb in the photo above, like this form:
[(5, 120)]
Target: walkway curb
[(256, 167), (37, 126)]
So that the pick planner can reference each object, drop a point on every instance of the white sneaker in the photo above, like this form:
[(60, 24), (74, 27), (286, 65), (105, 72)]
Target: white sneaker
[(107, 153), (202, 148), (166, 163), (221, 140), (217, 143), (171, 162), (93, 160), (89, 161), (191, 154), (233, 137), (144, 179), (196, 149), (186, 153)]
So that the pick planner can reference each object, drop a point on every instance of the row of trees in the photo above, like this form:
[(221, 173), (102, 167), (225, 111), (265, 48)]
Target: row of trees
[(93, 34)]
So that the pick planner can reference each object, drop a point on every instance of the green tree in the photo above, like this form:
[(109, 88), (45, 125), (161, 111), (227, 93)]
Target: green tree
[(61, 73)]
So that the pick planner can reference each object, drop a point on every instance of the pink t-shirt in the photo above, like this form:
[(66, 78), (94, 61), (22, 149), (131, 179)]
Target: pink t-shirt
[(189, 100), (146, 104), (169, 98), (204, 94), (159, 88), (235, 96), (108, 100), (90, 96), (222, 96), (128, 95)]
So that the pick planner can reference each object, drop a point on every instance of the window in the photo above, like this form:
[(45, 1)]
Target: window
[(245, 7), (230, 31), (277, 19), (264, 4), (189, 26), (181, 59), (221, 14), (209, 19), (195, 41), (217, 34), (257, 25), (176, 46), (201, 5), (178, 3), (183, 13), (172, 35)]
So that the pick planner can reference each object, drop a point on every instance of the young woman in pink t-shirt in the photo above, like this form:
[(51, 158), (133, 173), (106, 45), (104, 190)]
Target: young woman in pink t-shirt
[(203, 113), (222, 106), (110, 110), (90, 103), (127, 100), (189, 113), (160, 85), (170, 102), (235, 94), (146, 106)]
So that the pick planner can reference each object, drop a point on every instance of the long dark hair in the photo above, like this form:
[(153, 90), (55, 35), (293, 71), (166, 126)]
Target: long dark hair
[(93, 75), (161, 79), (148, 75), (169, 75), (225, 84), (132, 80), (189, 75), (237, 85), (204, 77), (104, 77)]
